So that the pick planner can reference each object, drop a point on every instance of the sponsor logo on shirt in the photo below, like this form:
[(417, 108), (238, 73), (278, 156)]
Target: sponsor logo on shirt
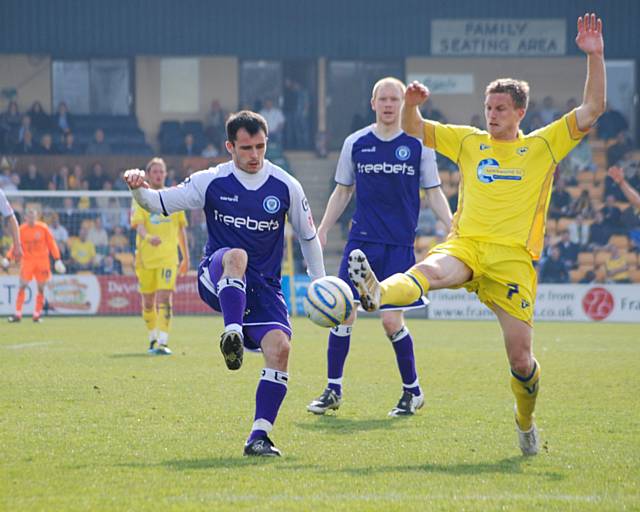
[(521, 151), (403, 153), (369, 150), (271, 204), (233, 199), (386, 168), (484, 146), (246, 222), (489, 170)]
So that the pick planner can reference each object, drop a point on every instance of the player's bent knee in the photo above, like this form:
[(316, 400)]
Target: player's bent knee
[(391, 324), (236, 258), (521, 365)]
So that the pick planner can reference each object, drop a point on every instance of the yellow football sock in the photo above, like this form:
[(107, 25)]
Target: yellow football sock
[(525, 390), (164, 317), (150, 318), (404, 289)]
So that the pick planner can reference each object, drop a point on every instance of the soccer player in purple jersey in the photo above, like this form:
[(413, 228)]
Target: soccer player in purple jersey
[(388, 168), (245, 202)]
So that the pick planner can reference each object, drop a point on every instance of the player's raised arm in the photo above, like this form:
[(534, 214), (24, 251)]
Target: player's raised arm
[(189, 195), (589, 40), (412, 120)]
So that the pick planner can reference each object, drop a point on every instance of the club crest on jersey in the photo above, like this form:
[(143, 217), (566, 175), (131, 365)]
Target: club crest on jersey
[(271, 204), (521, 151), (489, 170), (484, 146), (403, 153)]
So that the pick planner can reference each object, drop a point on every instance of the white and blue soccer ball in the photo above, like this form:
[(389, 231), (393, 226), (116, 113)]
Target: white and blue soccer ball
[(329, 301)]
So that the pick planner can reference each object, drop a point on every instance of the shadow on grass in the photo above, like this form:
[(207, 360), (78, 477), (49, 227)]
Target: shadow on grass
[(508, 466), (131, 354), (220, 463), (336, 425)]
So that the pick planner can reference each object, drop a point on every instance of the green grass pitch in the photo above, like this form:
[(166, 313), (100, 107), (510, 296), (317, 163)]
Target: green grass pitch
[(90, 422)]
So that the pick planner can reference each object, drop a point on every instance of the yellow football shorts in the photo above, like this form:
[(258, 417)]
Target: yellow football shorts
[(502, 276), (153, 279)]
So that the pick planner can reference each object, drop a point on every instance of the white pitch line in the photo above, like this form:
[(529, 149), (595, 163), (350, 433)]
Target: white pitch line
[(29, 345)]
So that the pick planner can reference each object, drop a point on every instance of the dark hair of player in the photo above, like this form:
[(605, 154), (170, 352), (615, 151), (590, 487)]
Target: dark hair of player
[(517, 89), (250, 121)]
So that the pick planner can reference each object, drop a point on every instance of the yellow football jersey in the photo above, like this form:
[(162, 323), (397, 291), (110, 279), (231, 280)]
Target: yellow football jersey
[(505, 187), (164, 255)]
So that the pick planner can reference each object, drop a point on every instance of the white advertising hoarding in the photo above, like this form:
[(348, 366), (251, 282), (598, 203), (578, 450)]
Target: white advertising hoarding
[(444, 83), (554, 302)]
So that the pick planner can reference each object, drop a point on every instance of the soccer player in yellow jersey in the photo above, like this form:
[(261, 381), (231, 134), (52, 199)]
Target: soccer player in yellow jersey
[(157, 242), (498, 230)]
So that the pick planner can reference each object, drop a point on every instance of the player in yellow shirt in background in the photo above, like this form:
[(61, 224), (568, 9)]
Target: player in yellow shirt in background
[(157, 242), (498, 230)]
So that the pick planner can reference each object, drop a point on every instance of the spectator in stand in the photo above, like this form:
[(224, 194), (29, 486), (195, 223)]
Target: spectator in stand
[(611, 123), (33, 180), (98, 236), (588, 278), (453, 202), (70, 217), (572, 104), (631, 216), (25, 126), (611, 214), (616, 267), (548, 113), (532, 111), (275, 120), (97, 177), (98, 146), (477, 121), (83, 252), (426, 218), (579, 159), (619, 150), (568, 250), (599, 232), (60, 179), (69, 146), (39, 119), (582, 206), (119, 242), (26, 147), (209, 151), (60, 235), (62, 119), (579, 231), (114, 215), (10, 125), (214, 125), (296, 111), (189, 147), (109, 266), (430, 112), (102, 202), (77, 179), (553, 269), (560, 201), (46, 145)]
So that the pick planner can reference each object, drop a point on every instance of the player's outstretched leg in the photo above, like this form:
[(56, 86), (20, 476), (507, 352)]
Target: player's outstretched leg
[(337, 351), (272, 388), (397, 290), (365, 280)]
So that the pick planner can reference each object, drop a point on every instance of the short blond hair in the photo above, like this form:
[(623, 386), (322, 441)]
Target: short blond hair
[(517, 89), (387, 80), (154, 161)]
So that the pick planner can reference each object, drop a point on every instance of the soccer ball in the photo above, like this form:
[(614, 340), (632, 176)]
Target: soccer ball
[(328, 302)]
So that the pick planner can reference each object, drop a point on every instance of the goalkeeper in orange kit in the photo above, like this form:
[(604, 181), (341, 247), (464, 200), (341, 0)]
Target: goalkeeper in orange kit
[(38, 245)]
